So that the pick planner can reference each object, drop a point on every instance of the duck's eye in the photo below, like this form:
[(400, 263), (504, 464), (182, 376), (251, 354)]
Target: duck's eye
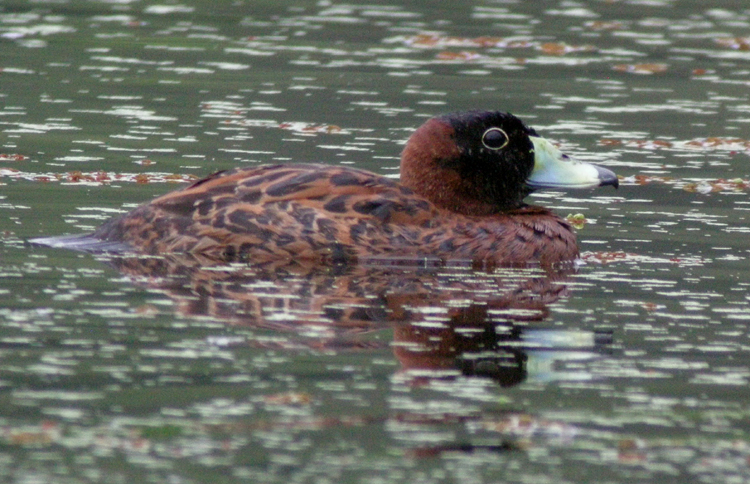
[(494, 139)]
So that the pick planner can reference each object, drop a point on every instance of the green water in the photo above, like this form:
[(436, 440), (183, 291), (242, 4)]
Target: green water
[(634, 368)]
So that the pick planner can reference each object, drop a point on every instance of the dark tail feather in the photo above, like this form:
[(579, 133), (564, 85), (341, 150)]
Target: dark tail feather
[(82, 243)]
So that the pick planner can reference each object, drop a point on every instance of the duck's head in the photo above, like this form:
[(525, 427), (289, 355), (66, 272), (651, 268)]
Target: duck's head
[(485, 162)]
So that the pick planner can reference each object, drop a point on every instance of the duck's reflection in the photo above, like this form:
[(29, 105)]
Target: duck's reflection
[(447, 319)]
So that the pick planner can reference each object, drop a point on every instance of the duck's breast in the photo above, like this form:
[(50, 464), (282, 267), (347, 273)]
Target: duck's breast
[(527, 235)]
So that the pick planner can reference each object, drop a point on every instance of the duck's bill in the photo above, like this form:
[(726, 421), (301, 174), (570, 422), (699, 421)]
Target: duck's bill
[(553, 169)]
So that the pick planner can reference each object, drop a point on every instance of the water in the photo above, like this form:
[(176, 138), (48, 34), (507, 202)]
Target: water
[(631, 369)]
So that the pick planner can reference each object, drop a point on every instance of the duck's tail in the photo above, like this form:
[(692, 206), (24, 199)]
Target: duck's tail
[(81, 243)]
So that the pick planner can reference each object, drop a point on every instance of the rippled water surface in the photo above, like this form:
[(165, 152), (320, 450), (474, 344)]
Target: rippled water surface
[(633, 368)]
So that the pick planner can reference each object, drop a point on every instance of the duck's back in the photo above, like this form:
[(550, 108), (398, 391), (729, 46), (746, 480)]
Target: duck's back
[(285, 211)]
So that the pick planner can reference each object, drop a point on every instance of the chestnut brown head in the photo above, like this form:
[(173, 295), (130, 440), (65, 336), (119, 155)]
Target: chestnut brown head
[(485, 162)]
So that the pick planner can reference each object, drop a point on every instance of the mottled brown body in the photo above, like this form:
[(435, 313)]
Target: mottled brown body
[(460, 197), (320, 212)]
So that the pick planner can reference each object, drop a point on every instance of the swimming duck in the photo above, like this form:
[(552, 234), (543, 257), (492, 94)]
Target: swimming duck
[(463, 180)]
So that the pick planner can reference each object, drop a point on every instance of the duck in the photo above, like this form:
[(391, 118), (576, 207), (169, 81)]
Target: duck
[(463, 180)]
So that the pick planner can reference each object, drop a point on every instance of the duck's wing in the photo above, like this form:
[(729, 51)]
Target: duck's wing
[(298, 211), (338, 192)]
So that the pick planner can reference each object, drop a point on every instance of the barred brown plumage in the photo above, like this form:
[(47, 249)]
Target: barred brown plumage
[(463, 180)]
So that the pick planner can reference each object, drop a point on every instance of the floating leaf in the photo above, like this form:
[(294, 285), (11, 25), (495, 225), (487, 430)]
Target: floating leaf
[(603, 25), (737, 43), (559, 48), (641, 68), (459, 56), (12, 157), (578, 220)]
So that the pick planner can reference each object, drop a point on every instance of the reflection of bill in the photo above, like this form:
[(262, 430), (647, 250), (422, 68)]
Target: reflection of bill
[(444, 318), (508, 353), (528, 360)]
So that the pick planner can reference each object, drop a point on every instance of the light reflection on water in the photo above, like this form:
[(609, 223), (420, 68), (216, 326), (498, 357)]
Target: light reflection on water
[(401, 374)]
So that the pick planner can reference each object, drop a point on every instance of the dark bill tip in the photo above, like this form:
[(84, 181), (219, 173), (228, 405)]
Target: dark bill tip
[(607, 177)]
